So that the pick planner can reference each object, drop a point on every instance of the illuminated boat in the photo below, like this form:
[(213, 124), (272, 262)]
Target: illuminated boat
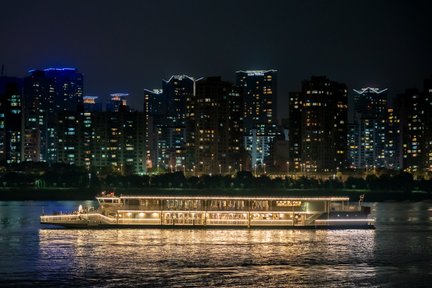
[(216, 211)]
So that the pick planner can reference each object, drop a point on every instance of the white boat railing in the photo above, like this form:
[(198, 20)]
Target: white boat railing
[(230, 222), (59, 218), (271, 222)]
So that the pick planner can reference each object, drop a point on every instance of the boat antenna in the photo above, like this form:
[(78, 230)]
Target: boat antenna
[(361, 199)]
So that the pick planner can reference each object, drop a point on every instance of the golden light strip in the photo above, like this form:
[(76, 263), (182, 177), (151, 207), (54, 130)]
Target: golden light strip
[(345, 220), (229, 198)]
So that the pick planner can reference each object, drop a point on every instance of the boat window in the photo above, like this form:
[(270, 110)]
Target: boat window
[(260, 205), (149, 204), (226, 205), (182, 204)]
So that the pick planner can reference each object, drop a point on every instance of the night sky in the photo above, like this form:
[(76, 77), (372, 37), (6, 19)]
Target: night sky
[(126, 46)]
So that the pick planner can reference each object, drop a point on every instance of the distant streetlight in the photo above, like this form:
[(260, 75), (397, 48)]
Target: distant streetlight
[(220, 169), (287, 168), (241, 167), (194, 170), (229, 169), (255, 168), (184, 169)]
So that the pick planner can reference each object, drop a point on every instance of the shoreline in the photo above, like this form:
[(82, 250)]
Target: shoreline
[(82, 194)]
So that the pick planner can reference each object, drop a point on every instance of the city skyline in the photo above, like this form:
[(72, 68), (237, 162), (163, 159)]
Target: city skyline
[(361, 43), (209, 125)]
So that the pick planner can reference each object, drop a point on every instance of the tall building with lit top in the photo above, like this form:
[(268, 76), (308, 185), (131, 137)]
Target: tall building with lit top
[(154, 107), (322, 114), (11, 120), (166, 111), (368, 132), (91, 104), (117, 102), (259, 91), (46, 93), (177, 91)]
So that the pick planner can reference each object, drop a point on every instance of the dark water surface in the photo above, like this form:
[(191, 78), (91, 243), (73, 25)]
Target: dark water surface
[(398, 253)]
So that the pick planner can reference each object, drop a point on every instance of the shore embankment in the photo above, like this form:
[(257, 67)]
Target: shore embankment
[(58, 194)]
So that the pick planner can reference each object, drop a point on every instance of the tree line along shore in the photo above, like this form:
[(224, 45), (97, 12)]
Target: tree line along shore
[(65, 182)]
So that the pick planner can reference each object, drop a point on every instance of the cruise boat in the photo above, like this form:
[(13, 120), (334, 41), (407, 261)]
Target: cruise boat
[(216, 212)]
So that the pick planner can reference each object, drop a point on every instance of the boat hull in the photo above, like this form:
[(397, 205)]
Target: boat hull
[(146, 226)]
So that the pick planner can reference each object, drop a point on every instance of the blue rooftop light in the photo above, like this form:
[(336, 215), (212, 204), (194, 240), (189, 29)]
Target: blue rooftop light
[(59, 69), (53, 69)]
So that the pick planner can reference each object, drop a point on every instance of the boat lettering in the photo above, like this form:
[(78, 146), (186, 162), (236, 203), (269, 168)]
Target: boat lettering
[(288, 203)]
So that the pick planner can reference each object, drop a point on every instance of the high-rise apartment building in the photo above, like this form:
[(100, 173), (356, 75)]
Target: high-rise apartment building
[(368, 132), (295, 109), (393, 149), (218, 128), (118, 142), (91, 104), (11, 120), (427, 94), (178, 91), (47, 92), (117, 102), (167, 118), (68, 131), (259, 88), (259, 91), (154, 107), (411, 108), (322, 114)]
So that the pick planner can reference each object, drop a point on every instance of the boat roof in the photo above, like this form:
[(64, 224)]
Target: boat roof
[(224, 196)]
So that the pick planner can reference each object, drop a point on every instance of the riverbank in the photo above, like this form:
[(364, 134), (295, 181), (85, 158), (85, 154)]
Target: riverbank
[(23, 194)]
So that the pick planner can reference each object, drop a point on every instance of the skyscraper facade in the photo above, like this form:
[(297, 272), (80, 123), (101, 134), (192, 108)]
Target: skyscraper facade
[(368, 132), (393, 149), (218, 127), (295, 109), (411, 107), (117, 102), (154, 111), (322, 114), (177, 91), (91, 104), (11, 120), (118, 142), (167, 122), (47, 92), (259, 91), (427, 94)]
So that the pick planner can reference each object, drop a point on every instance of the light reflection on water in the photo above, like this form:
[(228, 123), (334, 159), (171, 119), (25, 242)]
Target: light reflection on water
[(398, 252), (210, 257)]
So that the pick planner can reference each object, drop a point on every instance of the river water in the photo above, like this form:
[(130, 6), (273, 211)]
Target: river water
[(398, 253)]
